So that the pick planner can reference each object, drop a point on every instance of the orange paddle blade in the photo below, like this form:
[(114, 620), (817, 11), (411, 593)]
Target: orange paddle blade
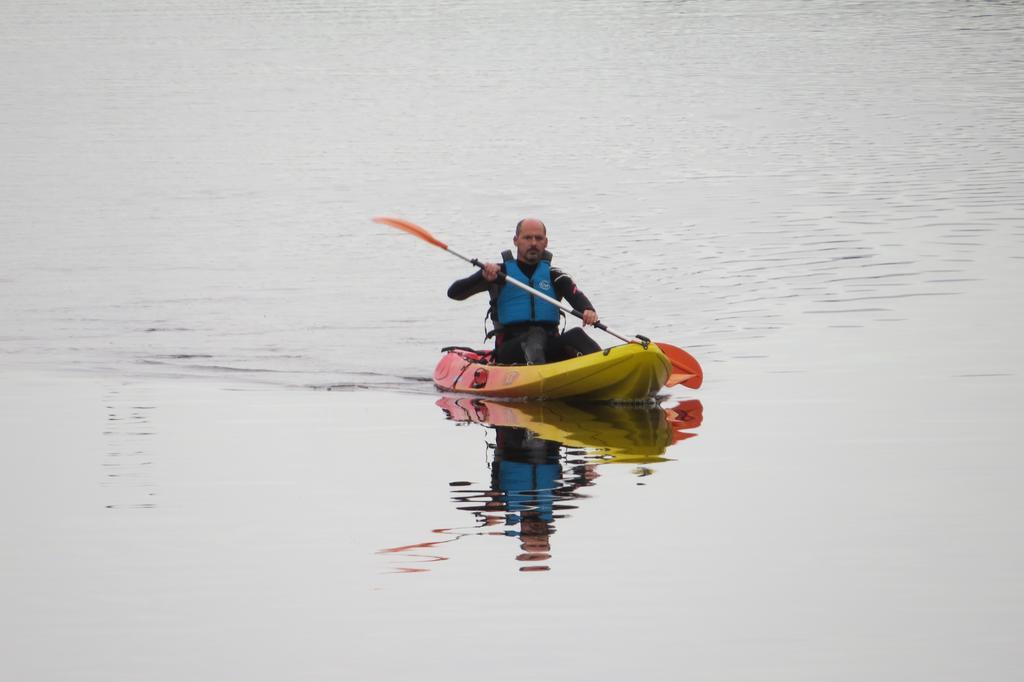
[(678, 378), (411, 228), (685, 368)]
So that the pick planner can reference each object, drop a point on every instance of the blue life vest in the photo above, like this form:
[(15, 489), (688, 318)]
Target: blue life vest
[(516, 305)]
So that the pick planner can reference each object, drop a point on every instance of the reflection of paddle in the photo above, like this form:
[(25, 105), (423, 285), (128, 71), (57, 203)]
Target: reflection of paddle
[(685, 415), (685, 369)]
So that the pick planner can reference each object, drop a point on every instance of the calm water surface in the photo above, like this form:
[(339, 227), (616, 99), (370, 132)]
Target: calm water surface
[(823, 201)]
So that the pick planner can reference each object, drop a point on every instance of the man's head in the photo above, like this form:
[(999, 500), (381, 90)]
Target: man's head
[(531, 240)]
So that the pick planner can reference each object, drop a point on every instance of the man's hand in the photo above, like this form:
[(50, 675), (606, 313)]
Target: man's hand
[(490, 271), (589, 317)]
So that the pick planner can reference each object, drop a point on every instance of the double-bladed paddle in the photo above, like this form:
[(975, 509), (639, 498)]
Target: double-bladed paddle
[(685, 368)]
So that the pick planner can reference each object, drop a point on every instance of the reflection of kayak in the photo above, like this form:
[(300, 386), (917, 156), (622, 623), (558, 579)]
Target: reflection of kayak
[(626, 372), (623, 434)]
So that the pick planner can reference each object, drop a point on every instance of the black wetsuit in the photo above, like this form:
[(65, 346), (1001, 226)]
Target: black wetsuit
[(514, 344)]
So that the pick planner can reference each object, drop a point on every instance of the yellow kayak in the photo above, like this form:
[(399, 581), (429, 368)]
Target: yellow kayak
[(627, 372)]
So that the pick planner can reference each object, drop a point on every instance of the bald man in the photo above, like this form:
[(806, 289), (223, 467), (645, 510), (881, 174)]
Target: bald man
[(526, 327)]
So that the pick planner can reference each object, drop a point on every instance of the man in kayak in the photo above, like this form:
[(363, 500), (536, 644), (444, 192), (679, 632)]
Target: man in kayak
[(526, 327)]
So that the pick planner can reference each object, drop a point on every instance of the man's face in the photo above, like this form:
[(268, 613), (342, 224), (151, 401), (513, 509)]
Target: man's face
[(531, 241)]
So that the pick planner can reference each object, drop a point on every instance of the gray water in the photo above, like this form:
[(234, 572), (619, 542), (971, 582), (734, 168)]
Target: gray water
[(822, 201)]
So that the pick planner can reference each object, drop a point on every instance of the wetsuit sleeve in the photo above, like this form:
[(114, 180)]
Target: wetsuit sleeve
[(468, 286), (567, 289)]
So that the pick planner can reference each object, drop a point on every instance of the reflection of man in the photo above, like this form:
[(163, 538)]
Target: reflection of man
[(528, 471), (529, 485), (526, 327)]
